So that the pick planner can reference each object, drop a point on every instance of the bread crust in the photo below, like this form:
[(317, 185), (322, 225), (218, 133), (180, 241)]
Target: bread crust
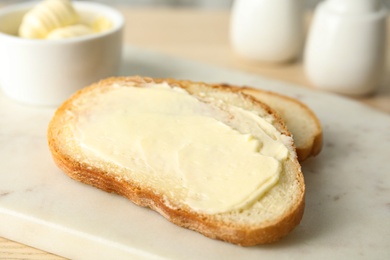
[(314, 142), (207, 225)]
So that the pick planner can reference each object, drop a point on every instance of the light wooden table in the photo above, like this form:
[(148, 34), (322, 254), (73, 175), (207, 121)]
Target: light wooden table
[(200, 35)]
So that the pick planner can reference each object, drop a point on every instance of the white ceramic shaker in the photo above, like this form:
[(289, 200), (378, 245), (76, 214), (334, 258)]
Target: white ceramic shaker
[(346, 45), (267, 30)]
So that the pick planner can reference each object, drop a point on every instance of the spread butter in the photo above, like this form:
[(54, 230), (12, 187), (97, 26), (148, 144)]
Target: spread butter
[(173, 140)]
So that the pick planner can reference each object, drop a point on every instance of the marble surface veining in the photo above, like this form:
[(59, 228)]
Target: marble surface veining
[(347, 213)]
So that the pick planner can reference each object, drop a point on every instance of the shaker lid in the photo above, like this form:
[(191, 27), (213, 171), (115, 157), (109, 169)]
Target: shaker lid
[(354, 6)]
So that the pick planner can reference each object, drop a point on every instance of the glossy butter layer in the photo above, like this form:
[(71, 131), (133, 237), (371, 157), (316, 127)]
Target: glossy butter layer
[(58, 19), (46, 16), (171, 139), (70, 31)]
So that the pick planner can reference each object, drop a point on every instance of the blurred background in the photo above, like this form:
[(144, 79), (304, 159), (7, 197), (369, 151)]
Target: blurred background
[(206, 4)]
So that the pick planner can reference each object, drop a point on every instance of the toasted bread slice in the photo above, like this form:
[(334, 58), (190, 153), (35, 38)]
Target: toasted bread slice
[(263, 219), (299, 119)]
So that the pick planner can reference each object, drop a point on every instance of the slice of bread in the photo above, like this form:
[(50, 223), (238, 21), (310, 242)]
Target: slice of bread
[(267, 218), (299, 119)]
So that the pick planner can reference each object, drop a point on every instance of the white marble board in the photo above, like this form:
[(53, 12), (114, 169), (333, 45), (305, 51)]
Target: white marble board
[(347, 212)]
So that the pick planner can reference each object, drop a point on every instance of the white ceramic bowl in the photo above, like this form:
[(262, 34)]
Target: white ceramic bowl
[(46, 72)]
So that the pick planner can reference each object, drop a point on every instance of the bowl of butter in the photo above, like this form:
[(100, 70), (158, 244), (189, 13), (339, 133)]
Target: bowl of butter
[(51, 48)]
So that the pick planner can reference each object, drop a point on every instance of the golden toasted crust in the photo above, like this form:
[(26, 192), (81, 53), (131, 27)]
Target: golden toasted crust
[(213, 226)]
